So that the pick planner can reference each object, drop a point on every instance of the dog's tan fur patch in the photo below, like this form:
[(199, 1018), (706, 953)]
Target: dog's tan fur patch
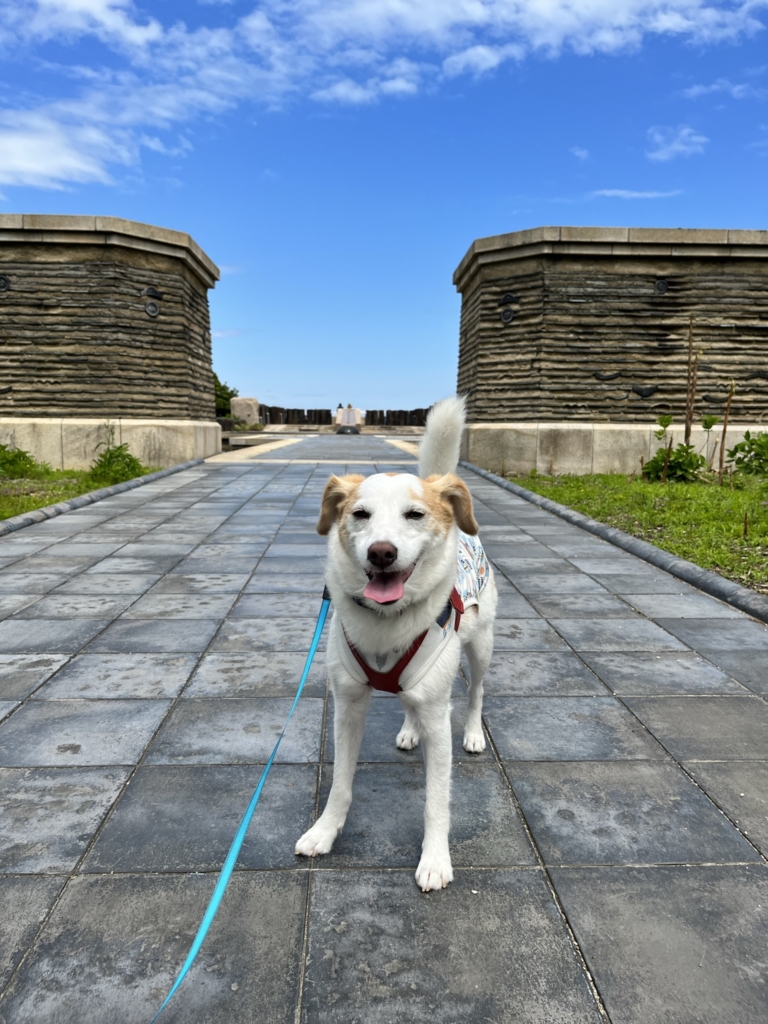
[(339, 494), (448, 500)]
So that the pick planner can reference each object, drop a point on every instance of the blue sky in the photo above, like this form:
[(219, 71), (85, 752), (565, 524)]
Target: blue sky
[(336, 158)]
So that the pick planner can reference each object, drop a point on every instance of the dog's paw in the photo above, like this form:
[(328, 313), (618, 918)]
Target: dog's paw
[(474, 741), (407, 738), (434, 871), (317, 841)]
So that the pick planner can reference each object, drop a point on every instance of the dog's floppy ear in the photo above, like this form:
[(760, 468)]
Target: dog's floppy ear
[(337, 491), (453, 489)]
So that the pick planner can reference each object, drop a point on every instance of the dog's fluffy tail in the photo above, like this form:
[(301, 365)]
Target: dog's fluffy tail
[(439, 448)]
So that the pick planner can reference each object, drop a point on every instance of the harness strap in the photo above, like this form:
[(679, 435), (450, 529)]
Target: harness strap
[(389, 682)]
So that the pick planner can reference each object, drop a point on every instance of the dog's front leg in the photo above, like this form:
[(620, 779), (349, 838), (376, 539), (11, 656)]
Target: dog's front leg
[(349, 708), (434, 870)]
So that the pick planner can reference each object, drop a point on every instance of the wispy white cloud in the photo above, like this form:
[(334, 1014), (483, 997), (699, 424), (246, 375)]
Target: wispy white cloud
[(670, 143), (737, 90), (579, 153), (154, 77), (625, 193)]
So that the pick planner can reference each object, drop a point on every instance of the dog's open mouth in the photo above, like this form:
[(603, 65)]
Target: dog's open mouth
[(387, 587)]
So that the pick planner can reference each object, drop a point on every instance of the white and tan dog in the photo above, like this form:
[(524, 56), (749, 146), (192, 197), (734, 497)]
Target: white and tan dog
[(397, 544)]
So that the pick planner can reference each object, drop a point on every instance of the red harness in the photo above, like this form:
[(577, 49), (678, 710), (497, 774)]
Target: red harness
[(390, 681)]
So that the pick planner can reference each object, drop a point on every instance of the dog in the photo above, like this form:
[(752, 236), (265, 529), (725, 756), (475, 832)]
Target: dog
[(410, 586)]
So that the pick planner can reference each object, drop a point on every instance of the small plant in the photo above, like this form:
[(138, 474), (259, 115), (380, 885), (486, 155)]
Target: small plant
[(708, 422), (751, 454), (664, 422), (15, 463), (224, 395), (115, 464), (683, 465)]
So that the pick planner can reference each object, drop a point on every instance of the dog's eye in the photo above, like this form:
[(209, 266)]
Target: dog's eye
[(360, 513), (414, 514)]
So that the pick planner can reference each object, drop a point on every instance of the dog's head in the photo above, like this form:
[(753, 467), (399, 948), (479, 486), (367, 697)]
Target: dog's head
[(394, 534)]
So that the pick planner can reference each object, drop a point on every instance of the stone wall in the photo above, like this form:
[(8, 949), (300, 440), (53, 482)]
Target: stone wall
[(106, 318), (591, 324)]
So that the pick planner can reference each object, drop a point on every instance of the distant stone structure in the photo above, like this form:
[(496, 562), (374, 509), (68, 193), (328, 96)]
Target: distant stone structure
[(245, 409), (562, 327), (103, 319)]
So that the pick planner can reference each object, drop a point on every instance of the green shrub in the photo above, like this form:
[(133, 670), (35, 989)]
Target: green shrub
[(685, 465), (115, 465), (224, 396), (15, 463), (751, 454)]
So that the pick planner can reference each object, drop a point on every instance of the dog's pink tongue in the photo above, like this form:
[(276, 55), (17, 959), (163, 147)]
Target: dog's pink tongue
[(385, 587)]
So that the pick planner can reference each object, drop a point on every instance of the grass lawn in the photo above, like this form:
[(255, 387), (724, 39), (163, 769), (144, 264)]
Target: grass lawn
[(24, 495), (701, 522)]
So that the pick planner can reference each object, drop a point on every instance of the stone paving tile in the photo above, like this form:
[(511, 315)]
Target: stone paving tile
[(261, 584), (647, 673), (740, 788), (76, 606), (202, 583), (567, 729), (279, 566), (20, 674), (116, 565), (274, 634), (48, 636), (238, 730), (538, 674), (623, 813), (6, 707), (111, 676), (706, 728), (79, 732), (272, 606), (533, 583), (173, 636), (257, 674), (184, 819), (382, 830), (525, 635), (48, 815), (12, 582), (181, 606), (579, 606), (729, 634), (681, 606), (114, 945), (672, 943), (640, 582), (109, 585), (24, 902), (50, 562), (749, 667), (616, 635), (372, 937)]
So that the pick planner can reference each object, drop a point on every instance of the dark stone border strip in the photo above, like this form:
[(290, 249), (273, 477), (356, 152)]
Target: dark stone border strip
[(50, 511), (717, 586)]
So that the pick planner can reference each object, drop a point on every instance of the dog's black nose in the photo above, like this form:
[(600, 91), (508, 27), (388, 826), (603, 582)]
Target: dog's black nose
[(382, 554)]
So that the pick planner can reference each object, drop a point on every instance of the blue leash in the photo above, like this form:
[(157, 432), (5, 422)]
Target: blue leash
[(237, 842)]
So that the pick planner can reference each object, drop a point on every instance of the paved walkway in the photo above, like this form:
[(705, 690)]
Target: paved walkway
[(609, 846)]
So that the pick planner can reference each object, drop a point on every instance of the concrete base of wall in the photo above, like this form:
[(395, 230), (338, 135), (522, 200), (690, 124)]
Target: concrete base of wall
[(68, 443), (581, 448)]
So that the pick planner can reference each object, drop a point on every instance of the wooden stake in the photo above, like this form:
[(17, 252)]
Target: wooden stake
[(725, 427), (666, 462), (746, 526), (690, 385)]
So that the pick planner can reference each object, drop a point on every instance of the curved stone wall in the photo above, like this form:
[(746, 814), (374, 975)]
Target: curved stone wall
[(591, 324), (104, 318)]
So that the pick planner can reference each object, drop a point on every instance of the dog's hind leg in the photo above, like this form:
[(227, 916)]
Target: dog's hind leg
[(479, 651), (349, 708), (408, 737)]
